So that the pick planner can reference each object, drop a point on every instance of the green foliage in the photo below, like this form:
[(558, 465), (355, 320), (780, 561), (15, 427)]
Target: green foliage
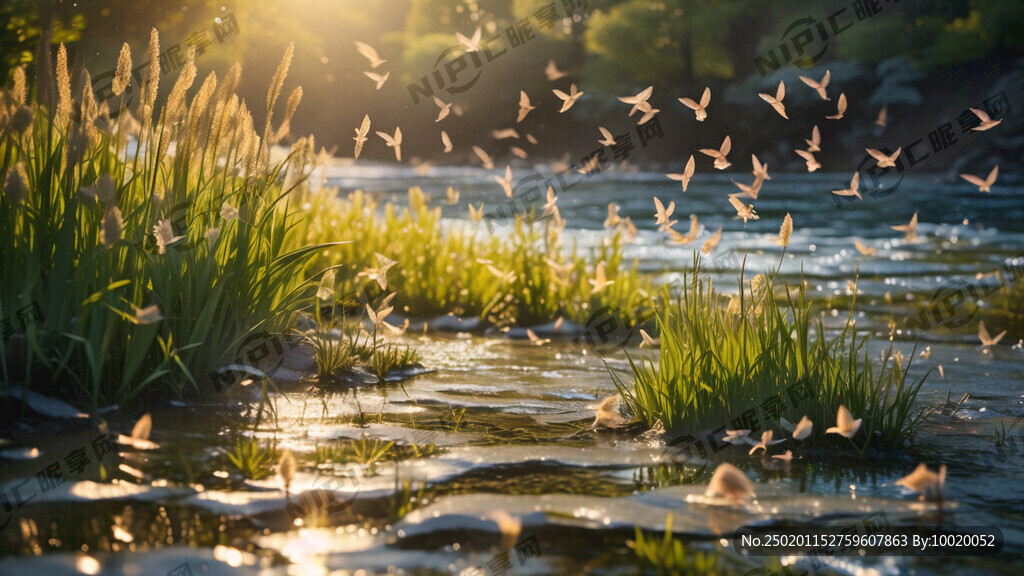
[(225, 275), (667, 556), (252, 459), (444, 269), (717, 361)]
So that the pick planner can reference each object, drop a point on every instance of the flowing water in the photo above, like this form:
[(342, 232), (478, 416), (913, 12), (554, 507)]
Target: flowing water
[(504, 426)]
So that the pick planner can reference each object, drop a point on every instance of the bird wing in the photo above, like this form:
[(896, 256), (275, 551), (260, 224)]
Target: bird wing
[(705, 98)]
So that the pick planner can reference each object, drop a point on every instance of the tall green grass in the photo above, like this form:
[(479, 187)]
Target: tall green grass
[(720, 358), (521, 275), (179, 207)]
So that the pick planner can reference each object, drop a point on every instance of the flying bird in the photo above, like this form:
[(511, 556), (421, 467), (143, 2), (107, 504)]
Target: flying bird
[(745, 212), (766, 441), (613, 216), (853, 190), (664, 214), (505, 133), (470, 44), (812, 163), (801, 431), (751, 191), (393, 142), (640, 98), (536, 340), (925, 482), (760, 170), (552, 71), (776, 101), (444, 109), (484, 157), (524, 106), (986, 122), (986, 184), (649, 113), (712, 242), (549, 205), (841, 108), (506, 182), (699, 109), (453, 195), (446, 141), (814, 144), (885, 160), (361, 133), (845, 424), (909, 230), (690, 235), (686, 175), (820, 85), (568, 99), (864, 249), (519, 152), (476, 214), (647, 340), (719, 155), (380, 80), (987, 340), (606, 137), (370, 54)]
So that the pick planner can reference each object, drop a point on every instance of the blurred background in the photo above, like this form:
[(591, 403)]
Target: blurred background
[(924, 61)]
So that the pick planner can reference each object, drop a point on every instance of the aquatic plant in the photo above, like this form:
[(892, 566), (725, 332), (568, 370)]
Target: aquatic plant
[(252, 459), (720, 358), (520, 275), (668, 556), (150, 249)]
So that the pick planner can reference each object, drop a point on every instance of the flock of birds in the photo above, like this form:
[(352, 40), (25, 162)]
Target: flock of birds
[(727, 481)]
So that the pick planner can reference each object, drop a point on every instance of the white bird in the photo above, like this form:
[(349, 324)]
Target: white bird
[(361, 133), (393, 142), (712, 242), (648, 111), (536, 340), (470, 44), (613, 218), (853, 190), (719, 155), (776, 101), (909, 230), (766, 441), (370, 54), (524, 106), (745, 212), (380, 80), (845, 424), (600, 280), (505, 133), (519, 152), (484, 157), (730, 483), (737, 437), (452, 194), (699, 109), (446, 141), (925, 482), (751, 191), (814, 144), (760, 170), (606, 137), (568, 99), (639, 98), (552, 71), (987, 340), (664, 214), (820, 85), (690, 235), (686, 175), (885, 160), (986, 122), (801, 431), (840, 107), (506, 182), (986, 184), (864, 249), (444, 109), (812, 163), (549, 205)]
